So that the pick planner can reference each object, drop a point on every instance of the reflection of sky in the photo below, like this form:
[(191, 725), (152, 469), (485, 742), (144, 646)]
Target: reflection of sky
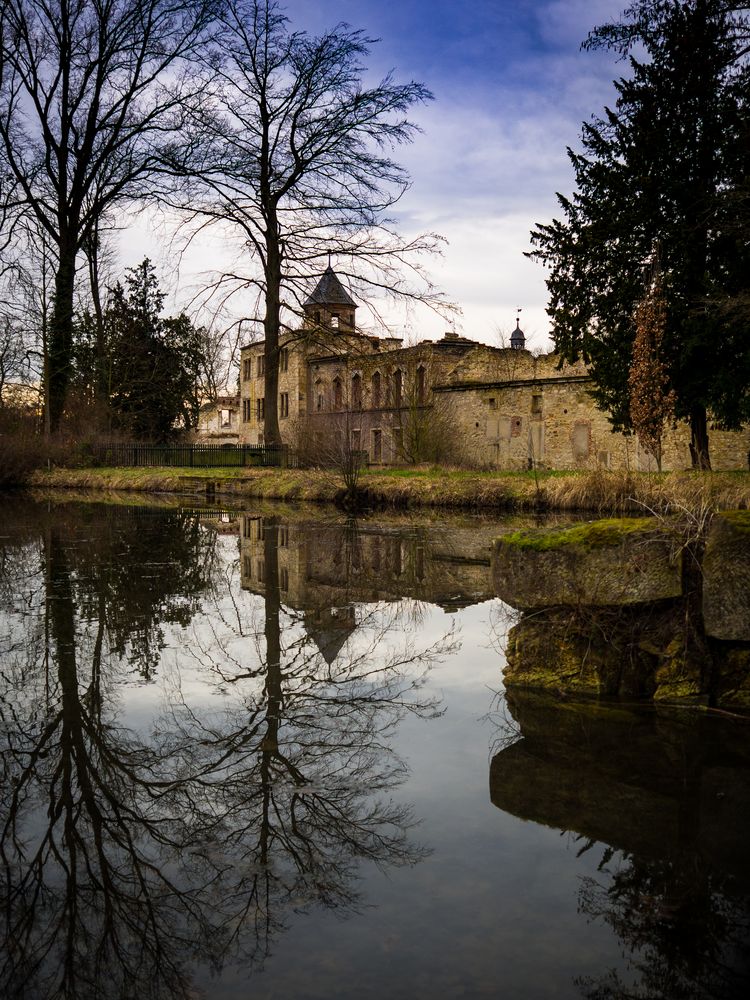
[(511, 88), (491, 911)]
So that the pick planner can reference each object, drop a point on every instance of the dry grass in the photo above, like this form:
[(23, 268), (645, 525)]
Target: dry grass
[(599, 492), (625, 492)]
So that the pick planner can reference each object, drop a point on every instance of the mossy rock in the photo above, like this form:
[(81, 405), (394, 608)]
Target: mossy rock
[(680, 676), (576, 658), (733, 681), (616, 561), (726, 577)]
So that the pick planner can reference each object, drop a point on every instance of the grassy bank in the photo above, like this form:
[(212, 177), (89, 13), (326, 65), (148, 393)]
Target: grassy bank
[(597, 491)]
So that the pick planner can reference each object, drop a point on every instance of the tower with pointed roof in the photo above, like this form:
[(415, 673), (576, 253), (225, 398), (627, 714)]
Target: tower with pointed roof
[(518, 338), (329, 305)]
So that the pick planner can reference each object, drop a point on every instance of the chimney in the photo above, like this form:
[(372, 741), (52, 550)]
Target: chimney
[(450, 335)]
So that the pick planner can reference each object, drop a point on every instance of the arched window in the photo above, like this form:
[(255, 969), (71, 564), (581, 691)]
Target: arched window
[(398, 387), (375, 394), (319, 394), (356, 391), (421, 385), (338, 396)]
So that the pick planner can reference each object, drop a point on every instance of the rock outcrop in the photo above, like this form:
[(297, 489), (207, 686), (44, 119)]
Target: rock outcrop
[(611, 611), (601, 563)]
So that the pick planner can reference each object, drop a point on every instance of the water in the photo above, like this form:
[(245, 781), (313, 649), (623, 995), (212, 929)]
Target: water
[(267, 753)]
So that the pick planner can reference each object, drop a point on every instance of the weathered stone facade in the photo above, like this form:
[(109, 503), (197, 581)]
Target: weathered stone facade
[(517, 411), (219, 421), (500, 407)]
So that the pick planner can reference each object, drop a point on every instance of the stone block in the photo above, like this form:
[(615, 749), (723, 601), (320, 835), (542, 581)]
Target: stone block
[(617, 561), (726, 577)]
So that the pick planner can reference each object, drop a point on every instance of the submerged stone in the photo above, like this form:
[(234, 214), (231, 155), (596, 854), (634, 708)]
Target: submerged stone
[(615, 561), (726, 577)]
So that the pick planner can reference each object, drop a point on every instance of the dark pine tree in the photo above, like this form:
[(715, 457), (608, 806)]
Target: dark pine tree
[(665, 172)]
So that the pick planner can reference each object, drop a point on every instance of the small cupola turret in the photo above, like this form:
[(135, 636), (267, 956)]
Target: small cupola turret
[(517, 338), (330, 305)]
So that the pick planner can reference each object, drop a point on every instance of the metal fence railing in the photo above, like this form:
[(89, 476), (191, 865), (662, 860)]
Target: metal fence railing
[(194, 456)]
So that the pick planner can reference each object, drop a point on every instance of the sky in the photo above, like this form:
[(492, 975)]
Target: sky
[(511, 88)]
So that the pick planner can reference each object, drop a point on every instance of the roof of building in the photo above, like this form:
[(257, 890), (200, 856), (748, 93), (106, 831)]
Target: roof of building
[(330, 292), (518, 338)]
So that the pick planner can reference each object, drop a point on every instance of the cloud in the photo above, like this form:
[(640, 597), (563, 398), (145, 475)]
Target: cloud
[(512, 88)]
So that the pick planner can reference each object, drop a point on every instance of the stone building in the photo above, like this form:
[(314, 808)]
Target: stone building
[(219, 421), (454, 397)]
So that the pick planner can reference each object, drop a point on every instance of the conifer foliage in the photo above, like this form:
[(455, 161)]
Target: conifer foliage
[(667, 166)]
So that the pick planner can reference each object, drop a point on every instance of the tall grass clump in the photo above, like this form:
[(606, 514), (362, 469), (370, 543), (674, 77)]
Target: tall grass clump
[(625, 492)]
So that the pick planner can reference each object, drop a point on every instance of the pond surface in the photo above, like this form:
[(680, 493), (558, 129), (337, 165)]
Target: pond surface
[(266, 753)]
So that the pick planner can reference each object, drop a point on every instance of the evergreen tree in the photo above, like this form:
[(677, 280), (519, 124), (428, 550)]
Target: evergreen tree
[(666, 169), (155, 363)]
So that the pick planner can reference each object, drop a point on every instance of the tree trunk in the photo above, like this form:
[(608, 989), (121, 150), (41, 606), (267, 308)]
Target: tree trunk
[(271, 432), (101, 386), (699, 438), (60, 351)]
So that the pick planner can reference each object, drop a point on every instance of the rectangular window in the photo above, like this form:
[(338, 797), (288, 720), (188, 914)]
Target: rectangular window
[(356, 440), (247, 369), (334, 321), (247, 410), (536, 404), (261, 365), (377, 446), (284, 359), (398, 442), (226, 418), (284, 404), (284, 578), (283, 536), (492, 403), (260, 409), (247, 567)]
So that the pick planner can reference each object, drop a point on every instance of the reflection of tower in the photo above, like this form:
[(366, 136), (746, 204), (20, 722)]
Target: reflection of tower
[(329, 628)]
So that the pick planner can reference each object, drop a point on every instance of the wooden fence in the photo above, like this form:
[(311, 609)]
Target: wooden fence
[(194, 456)]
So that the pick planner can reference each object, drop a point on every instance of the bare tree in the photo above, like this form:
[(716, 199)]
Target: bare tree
[(300, 165), (90, 93)]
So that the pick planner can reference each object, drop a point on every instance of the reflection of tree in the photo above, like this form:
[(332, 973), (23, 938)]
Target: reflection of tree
[(304, 753), (670, 796), (147, 571), (684, 929), (125, 859), (85, 808)]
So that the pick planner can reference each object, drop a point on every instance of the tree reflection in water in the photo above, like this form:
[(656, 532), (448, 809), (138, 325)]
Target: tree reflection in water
[(665, 800), (128, 858)]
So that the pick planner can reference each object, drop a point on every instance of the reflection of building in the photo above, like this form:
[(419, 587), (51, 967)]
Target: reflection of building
[(325, 570), (505, 407)]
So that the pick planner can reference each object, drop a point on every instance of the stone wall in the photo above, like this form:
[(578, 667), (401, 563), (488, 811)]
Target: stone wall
[(292, 382), (496, 408), (513, 411)]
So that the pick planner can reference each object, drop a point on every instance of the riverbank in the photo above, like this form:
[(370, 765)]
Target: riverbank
[(597, 491)]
